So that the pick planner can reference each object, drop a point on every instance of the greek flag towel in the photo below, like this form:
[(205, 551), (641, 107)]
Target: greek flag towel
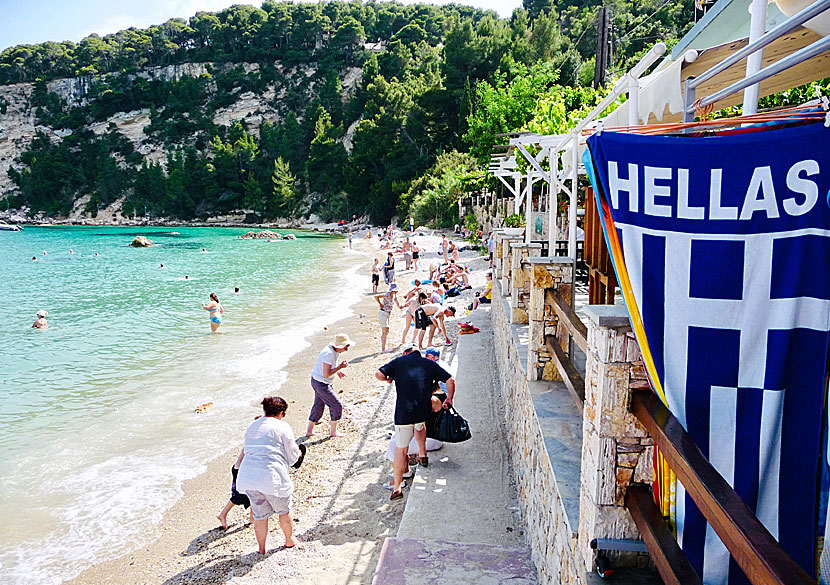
[(722, 250)]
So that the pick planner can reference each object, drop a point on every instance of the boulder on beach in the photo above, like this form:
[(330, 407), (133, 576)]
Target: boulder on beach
[(263, 235), (141, 242), (290, 237)]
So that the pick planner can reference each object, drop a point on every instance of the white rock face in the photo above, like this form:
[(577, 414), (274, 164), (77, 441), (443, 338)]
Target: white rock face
[(18, 124)]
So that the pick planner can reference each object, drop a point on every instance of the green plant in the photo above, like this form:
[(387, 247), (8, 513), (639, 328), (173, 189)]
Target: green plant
[(471, 222), (514, 220)]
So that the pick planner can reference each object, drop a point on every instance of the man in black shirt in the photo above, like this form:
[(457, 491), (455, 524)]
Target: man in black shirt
[(415, 377)]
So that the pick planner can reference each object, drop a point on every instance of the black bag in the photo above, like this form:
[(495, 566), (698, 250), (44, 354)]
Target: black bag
[(302, 456), (448, 426)]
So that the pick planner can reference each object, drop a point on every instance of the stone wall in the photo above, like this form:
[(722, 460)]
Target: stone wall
[(546, 274), (571, 487), (616, 449), (551, 533), (520, 276)]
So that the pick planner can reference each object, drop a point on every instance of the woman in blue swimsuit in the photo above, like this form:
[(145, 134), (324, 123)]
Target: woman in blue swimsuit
[(214, 307)]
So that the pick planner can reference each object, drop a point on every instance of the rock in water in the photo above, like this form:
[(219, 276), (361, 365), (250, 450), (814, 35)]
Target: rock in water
[(264, 235), (290, 237), (141, 242)]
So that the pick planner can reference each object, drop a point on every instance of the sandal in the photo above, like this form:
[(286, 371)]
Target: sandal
[(424, 461), (398, 495)]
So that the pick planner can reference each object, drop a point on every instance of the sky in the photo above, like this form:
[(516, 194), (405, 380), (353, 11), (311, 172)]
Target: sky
[(37, 21)]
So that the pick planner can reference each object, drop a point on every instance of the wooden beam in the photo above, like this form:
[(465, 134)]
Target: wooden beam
[(672, 564), (576, 328), (755, 550), (573, 381), (508, 185)]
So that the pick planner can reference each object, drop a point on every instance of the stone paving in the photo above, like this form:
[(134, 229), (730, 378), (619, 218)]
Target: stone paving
[(462, 523), (408, 561)]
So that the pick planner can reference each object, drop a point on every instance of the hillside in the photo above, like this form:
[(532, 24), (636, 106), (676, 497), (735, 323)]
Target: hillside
[(333, 108)]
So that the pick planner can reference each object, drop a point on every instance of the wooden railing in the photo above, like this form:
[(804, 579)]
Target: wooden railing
[(602, 280), (578, 334), (754, 549), (674, 567)]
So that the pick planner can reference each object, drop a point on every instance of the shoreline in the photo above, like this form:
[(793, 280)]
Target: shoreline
[(332, 227), (341, 511)]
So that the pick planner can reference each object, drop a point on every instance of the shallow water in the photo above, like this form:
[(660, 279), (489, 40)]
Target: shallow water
[(97, 428)]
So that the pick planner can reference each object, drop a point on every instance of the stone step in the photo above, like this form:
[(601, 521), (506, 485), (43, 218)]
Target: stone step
[(411, 561)]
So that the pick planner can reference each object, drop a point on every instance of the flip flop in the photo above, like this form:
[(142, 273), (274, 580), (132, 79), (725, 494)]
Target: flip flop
[(398, 495)]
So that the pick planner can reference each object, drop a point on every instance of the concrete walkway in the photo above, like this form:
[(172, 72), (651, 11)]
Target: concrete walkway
[(461, 520)]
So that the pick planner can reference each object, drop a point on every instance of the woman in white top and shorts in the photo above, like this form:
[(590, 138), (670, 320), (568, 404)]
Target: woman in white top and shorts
[(270, 449), (385, 301)]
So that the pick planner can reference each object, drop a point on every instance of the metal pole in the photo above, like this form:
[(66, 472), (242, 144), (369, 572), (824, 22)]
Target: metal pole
[(689, 100), (553, 201), (753, 63), (517, 178), (633, 100), (528, 205), (572, 206)]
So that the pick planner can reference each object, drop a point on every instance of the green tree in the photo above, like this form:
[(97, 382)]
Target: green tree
[(284, 200), (506, 106), (326, 157)]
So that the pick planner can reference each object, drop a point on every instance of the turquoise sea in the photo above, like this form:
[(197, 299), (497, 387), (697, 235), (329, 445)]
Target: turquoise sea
[(97, 428)]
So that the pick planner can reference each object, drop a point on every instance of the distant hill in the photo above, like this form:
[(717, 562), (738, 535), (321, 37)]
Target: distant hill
[(331, 108)]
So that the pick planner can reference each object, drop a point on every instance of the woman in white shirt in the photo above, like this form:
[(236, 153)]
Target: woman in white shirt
[(270, 449)]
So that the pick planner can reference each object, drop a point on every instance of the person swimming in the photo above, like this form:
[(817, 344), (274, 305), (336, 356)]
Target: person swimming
[(215, 308), (40, 322), (71, 251), (186, 277), (204, 251), (34, 258), (236, 290)]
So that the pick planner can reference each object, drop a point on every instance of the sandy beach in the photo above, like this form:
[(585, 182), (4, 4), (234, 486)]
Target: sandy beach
[(342, 512)]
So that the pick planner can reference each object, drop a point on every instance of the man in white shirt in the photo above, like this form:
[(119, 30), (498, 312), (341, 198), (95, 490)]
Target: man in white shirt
[(322, 377)]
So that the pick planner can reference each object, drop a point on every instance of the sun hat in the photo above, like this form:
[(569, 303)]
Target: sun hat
[(341, 340), (42, 313), (432, 351), (407, 347), (393, 286)]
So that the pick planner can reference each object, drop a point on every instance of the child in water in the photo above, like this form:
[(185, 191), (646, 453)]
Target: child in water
[(237, 499)]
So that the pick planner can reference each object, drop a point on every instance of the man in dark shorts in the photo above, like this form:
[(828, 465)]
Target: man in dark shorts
[(415, 378), (431, 316)]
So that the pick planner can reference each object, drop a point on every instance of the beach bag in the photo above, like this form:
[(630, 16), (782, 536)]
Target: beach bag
[(449, 427), (302, 456)]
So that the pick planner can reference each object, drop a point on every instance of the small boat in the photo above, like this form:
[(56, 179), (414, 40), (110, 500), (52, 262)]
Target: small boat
[(10, 228)]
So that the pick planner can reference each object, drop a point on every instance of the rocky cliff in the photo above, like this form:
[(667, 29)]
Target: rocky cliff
[(19, 124)]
